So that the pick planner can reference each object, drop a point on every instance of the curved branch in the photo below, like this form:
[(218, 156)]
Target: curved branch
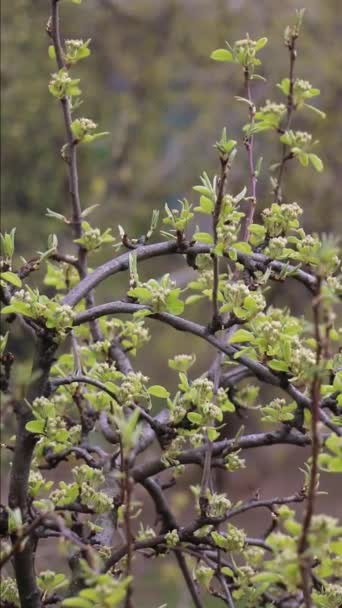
[(145, 252), (221, 449), (259, 370)]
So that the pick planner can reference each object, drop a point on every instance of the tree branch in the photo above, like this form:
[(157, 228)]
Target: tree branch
[(257, 261), (305, 558)]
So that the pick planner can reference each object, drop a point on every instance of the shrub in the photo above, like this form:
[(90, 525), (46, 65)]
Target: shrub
[(86, 402)]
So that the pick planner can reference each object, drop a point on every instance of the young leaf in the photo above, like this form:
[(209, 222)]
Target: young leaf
[(316, 162), (36, 426), (12, 278), (221, 55), (241, 335), (158, 391)]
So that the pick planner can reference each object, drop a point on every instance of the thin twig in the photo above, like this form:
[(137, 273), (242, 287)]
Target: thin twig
[(71, 159), (170, 523), (216, 218), (303, 544), (256, 261), (290, 109), (18, 545), (128, 529), (249, 143), (206, 474), (261, 371)]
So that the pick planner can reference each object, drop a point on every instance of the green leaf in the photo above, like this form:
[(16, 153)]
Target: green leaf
[(36, 426), (195, 418), (232, 254), (219, 540), (174, 305), (141, 293), (266, 577), (284, 86), (202, 190), (19, 308), (3, 342), (221, 55), (258, 77), (205, 237), (78, 602), (158, 391), (12, 278), (227, 571), (206, 205), (89, 210), (316, 110), (316, 162), (212, 434), (279, 366), (193, 299), (55, 215), (52, 52), (243, 247), (241, 335), (7, 243), (260, 44), (129, 427), (257, 229), (89, 138), (336, 546), (303, 159)]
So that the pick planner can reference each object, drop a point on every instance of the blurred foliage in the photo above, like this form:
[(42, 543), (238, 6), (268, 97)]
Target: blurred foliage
[(150, 82)]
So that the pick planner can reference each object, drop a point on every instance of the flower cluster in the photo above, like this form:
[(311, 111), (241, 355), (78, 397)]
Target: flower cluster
[(132, 387), (161, 295), (75, 50), (279, 220), (234, 540), (172, 539), (62, 85), (217, 504), (92, 238), (243, 303), (9, 592), (243, 52), (132, 334), (278, 410), (31, 303)]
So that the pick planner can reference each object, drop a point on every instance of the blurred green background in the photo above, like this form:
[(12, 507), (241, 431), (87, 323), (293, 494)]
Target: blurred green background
[(150, 83)]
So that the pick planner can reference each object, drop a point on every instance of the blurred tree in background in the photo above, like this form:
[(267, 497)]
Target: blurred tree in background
[(151, 84)]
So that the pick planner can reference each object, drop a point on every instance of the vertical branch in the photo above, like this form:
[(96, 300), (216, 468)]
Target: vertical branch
[(72, 149), (169, 520), (71, 159), (206, 474), (291, 45), (216, 321), (249, 143), (303, 544), (23, 561), (216, 216), (128, 530)]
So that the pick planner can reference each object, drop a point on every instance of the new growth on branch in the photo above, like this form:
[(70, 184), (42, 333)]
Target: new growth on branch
[(89, 405)]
